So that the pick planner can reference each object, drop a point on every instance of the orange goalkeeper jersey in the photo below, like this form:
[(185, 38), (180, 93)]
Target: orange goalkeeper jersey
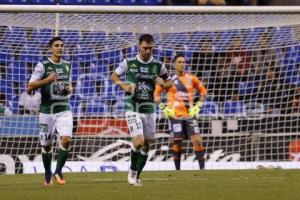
[(181, 94)]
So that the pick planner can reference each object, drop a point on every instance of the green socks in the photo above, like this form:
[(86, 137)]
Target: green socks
[(134, 159), (142, 159), (62, 156)]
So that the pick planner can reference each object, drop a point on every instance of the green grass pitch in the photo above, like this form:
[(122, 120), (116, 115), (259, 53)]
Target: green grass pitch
[(267, 184)]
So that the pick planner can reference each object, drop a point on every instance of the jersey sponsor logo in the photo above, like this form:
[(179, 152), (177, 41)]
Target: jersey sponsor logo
[(133, 70), (144, 69)]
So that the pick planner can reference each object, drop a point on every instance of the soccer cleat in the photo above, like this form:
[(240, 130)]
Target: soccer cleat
[(138, 183), (59, 179), (132, 177), (48, 179)]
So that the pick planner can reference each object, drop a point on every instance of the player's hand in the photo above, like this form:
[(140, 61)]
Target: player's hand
[(52, 77), (194, 111), (159, 81), (169, 113), (69, 88), (130, 88)]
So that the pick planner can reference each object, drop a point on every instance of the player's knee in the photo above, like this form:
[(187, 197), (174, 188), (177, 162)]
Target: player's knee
[(47, 149), (138, 142), (65, 142)]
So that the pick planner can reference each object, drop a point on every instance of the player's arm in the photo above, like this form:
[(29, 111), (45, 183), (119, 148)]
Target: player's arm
[(120, 71), (37, 81), (164, 80), (157, 93)]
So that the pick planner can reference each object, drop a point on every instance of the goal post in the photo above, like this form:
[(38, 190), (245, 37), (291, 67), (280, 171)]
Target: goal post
[(247, 57)]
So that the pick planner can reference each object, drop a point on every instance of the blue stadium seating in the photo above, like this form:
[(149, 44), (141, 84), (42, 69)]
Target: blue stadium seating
[(209, 109), (97, 108), (98, 2), (150, 2), (110, 57), (72, 2), (30, 54), (44, 2), (248, 87), (84, 53), (70, 36), (42, 36), (6, 55), (124, 2), (234, 109), (16, 1)]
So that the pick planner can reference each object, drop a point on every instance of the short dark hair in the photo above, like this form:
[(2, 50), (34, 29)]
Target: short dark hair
[(57, 38), (178, 56), (146, 38)]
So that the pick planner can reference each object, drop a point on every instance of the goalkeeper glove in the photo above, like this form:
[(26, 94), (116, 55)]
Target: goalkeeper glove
[(169, 113), (194, 111)]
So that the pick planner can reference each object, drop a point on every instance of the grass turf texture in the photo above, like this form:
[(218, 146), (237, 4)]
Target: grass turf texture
[(268, 184)]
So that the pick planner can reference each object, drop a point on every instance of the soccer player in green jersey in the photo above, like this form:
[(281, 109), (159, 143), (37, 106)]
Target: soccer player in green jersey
[(52, 76), (142, 73)]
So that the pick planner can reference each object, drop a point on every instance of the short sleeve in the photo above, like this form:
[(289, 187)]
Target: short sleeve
[(38, 73), (122, 68)]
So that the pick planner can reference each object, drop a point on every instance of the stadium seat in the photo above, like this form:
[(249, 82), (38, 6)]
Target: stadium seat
[(209, 109), (96, 108), (19, 71), (70, 37), (44, 2), (131, 51), (14, 36), (98, 2), (16, 1), (42, 36), (111, 57), (234, 109), (119, 107), (6, 55), (74, 103), (150, 2), (72, 2), (247, 87), (123, 2), (84, 54), (90, 38), (30, 54)]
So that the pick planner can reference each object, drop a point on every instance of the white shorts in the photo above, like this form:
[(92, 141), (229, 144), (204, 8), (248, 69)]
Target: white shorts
[(141, 124), (61, 122)]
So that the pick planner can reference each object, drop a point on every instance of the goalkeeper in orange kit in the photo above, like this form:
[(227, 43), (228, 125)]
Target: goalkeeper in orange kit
[(181, 110)]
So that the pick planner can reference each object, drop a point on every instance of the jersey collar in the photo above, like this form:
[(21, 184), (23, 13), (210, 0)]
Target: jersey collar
[(140, 60), (55, 62)]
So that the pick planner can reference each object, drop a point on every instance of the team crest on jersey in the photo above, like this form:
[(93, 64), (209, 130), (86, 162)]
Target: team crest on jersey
[(144, 69)]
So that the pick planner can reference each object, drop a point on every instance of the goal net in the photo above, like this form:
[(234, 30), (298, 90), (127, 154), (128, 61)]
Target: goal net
[(248, 62)]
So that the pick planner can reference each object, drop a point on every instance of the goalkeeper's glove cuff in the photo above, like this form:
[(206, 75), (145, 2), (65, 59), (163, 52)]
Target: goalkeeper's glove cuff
[(167, 111), (194, 111)]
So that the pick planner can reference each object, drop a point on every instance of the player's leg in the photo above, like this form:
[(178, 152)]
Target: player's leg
[(176, 130), (176, 149), (135, 127), (46, 140), (194, 134), (64, 127)]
